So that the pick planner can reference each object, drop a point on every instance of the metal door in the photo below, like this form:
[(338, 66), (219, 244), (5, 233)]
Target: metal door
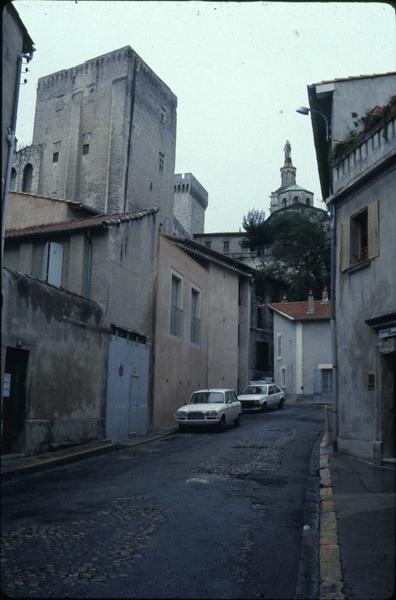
[(127, 388)]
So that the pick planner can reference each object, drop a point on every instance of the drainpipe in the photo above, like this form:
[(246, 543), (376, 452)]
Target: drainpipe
[(333, 319), (11, 140)]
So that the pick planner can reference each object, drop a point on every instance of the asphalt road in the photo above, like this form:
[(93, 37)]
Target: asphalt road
[(194, 515)]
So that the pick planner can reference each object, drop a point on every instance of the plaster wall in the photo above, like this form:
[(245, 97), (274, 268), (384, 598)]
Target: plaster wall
[(352, 96), (244, 333), (223, 351), (316, 350), (180, 367), (364, 294), (65, 391), (288, 358), (28, 210)]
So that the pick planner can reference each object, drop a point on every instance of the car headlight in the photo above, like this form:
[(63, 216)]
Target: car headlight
[(212, 413), (180, 415)]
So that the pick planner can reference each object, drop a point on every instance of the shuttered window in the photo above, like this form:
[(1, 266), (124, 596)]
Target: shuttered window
[(359, 237), (52, 263)]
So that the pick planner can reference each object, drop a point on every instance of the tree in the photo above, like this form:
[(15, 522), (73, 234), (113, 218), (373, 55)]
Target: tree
[(295, 249)]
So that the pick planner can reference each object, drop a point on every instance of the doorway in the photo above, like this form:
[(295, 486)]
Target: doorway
[(14, 400), (388, 404)]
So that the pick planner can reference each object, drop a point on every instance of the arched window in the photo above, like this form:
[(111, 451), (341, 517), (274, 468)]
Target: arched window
[(13, 179), (284, 201), (27, 178), (295, 199), (307, 201)]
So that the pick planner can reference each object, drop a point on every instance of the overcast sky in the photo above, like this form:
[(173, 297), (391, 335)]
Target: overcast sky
[(238, 69)]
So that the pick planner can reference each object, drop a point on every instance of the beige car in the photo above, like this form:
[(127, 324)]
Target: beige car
[(216, 407)]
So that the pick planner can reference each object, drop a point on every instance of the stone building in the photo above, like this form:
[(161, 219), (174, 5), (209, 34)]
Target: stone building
[(360, 187), (289, 192), (104, 134), (190, 203)]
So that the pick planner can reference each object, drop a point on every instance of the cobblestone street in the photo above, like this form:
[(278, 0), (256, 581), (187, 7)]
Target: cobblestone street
[(198, 514)]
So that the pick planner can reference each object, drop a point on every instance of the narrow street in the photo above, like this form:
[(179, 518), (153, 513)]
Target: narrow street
[(194, 515)]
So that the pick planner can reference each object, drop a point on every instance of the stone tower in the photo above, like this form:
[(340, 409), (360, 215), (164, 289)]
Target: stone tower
[(190, 203), (289, 193), (106, 130)]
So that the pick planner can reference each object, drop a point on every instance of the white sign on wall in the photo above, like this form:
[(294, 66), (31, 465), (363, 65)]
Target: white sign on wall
[(389, 332), (7, 385)]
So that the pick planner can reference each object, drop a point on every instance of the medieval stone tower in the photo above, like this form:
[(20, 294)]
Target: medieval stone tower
[(105, 136), (289, 192)]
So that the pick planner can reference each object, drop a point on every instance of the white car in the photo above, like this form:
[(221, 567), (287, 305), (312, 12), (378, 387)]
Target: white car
[(261, 396), (218, 407)]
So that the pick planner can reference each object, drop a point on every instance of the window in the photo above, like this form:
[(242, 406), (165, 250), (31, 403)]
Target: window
[(359, 237), (279, 346), (295, 199), (327, 381), (55, 157), (226, 246), (371, 381), (195, 316), (85, 149), (163, 115), (27, 178), (161, 160), (284, 202), (307, 201), (283, 377), (13, 180), (52, 263), (176, 310), (208, 243)]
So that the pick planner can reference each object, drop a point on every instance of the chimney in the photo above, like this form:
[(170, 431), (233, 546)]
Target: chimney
[(325, 297), (284, 299), (311, 305)]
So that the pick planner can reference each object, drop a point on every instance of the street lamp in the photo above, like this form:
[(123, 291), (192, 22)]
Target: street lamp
[(304, 110)]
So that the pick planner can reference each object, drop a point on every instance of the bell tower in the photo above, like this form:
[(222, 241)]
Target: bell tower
[(288, 171)]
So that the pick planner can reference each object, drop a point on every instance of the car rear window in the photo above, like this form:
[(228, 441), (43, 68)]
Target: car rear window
[(207, 398), (255, 389)]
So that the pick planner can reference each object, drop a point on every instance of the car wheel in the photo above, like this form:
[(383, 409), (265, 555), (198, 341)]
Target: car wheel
[(237, 421), (264, 407), (281, 403), (222, 423)]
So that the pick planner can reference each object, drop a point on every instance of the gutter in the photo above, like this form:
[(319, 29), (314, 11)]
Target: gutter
[(11, 141)]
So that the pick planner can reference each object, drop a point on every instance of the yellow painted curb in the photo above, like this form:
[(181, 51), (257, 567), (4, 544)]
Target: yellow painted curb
[(331, 582)]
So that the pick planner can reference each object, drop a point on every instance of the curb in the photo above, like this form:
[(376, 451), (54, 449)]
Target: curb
[(331, 580), (56, 461), (308, 570)]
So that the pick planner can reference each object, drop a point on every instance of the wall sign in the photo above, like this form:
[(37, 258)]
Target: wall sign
[(7, 385), (388, 332)]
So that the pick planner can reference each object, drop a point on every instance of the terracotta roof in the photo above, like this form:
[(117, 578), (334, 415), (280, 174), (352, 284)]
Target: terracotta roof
[(94, 222), (196, 250), (297, 311)]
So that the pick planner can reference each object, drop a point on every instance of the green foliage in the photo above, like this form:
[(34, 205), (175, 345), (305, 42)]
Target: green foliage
[(295, 250)]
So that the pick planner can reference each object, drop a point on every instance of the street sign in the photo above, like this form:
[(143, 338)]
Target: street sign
[(389, 332)]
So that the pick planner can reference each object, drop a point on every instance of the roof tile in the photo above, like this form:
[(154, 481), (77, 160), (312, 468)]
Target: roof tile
[(298, 311)]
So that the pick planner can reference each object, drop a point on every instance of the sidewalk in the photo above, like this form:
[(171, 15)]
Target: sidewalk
[(18, 465), (357, 528)]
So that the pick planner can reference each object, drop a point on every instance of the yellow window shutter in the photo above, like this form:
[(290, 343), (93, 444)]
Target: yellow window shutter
[(372, 227), (345, 247)]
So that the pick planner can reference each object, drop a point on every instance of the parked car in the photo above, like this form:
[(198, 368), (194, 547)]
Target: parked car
[(216, 407), (260, 396)]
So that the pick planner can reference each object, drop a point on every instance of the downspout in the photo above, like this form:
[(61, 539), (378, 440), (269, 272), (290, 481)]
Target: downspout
[(333, 315), (11, 141)]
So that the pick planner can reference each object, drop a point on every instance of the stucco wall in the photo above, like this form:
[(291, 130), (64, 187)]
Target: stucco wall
[(27, 210), (364, 294), (316, 350), (288, 360), (358, 95), (66, 365), (180, 367), (223, 329)]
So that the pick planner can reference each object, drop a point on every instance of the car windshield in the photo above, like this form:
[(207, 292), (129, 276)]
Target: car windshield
[(207, 398), (256, 389)]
